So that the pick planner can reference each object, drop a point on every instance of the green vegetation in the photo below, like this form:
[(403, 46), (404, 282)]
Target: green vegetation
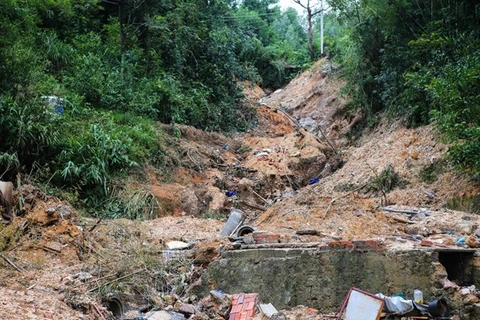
[(430, 172), (82, 83), (418, 60), (387, 180), (212, 214)]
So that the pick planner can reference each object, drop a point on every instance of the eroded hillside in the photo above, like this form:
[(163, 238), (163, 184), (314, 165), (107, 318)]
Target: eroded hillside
[(296, 171)]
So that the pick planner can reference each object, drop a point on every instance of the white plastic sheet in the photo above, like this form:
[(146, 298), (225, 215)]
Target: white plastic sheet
[(397, 305)]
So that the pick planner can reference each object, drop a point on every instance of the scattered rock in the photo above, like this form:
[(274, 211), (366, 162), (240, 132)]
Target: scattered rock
[(430, 194), (178, 245), (82, 276), (419, 216), (411, 229), (470, 299), (472, 242), (185, 308), (466, 228)]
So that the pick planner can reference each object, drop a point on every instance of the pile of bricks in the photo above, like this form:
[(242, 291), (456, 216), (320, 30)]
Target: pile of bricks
[(261, 237), (243, 306)]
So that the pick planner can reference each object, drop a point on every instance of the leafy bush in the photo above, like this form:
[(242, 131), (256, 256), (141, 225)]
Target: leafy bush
[(387, 180), (119, 66), (420, 62), (456, 98), (430, 173), (90, 152)]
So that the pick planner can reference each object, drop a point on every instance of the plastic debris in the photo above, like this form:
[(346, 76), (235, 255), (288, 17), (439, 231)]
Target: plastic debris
[(460, 241), (261, 154), (313, 180), (396, 304), (230, 193), (418, 296), (234, 220)]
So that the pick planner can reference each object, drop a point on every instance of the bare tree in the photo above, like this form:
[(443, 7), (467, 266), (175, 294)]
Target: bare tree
[(311, 12)]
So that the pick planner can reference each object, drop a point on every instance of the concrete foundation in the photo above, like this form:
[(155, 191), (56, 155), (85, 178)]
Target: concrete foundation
[(321, 278)]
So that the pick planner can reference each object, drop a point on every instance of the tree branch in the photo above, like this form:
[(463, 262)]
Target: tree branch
[(301, 4)]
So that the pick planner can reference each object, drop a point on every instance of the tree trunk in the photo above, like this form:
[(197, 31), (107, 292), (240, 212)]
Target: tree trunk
[(310, 34)]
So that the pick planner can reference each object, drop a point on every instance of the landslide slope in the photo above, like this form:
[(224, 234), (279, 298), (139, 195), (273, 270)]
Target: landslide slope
[(295, 170)]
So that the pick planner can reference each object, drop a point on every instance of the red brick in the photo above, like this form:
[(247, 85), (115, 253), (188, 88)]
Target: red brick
[(232, 316), (336, 245), (266, 238), (347, 244), (426, 243), (368, 244), (249, 306), (251, 312), (244, 316), (237, 308)]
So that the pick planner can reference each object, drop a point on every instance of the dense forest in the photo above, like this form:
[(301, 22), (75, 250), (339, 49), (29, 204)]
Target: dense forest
[(83, 82), (417, 60)]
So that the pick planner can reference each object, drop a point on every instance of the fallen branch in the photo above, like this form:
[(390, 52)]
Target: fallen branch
[(11, 263), (401, 220), (95, 225), (313, 232), (399, 211), (255, 193), (98, 311), (252, 205), (345, 195), (289, 117), (49, 249)]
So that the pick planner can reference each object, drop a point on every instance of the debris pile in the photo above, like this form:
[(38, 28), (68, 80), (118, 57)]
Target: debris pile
[(300, 179)]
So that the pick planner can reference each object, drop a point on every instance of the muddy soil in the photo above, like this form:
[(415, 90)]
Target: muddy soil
[(298, 169)]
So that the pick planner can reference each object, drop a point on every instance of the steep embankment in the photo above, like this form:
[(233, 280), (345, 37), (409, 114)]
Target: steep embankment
[(294, 171)]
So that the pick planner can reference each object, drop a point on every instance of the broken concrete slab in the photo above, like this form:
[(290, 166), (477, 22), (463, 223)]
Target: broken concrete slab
[(268, 309), (157, 315), (178, 245), (164, 315)]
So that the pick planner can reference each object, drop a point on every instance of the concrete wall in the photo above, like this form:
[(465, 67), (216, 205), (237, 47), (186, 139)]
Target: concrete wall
[(321, 278)]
